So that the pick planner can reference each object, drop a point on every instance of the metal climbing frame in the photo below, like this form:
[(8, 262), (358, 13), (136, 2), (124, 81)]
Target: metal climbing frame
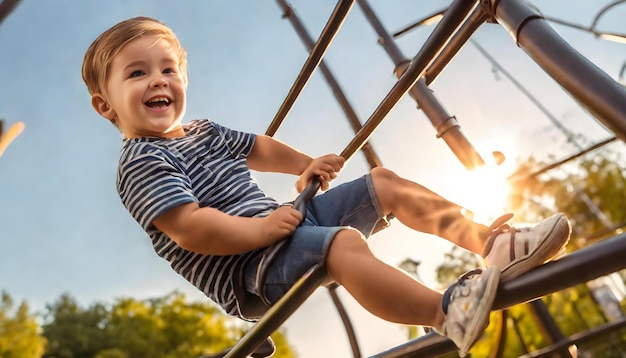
[(592, 88)]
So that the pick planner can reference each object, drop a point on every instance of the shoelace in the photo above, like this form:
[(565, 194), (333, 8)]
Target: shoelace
[(460, 282)]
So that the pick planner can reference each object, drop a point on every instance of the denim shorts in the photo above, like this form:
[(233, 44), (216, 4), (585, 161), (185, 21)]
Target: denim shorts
[(351, 205)]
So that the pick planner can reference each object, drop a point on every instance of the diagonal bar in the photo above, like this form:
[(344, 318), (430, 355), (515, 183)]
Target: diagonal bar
[(328, 34), (353, 119), (447, 126), (595, 90), (455, 15)]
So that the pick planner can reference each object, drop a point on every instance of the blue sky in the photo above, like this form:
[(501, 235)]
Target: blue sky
[(63, 228)]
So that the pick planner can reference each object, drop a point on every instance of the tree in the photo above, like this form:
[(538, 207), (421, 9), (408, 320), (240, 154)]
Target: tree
[(19, 331), (455, 263), (75, 332), (170, 327), (590, 192), (164, 327)]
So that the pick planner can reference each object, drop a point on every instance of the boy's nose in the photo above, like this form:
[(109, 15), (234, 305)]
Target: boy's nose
[(159, 81)]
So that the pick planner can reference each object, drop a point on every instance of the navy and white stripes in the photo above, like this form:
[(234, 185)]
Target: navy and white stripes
[(207, 166)]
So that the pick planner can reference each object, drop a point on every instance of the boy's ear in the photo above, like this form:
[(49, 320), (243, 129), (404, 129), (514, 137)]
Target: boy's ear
[(102, 107)]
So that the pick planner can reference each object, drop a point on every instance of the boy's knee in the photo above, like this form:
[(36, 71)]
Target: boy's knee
[(347, 241), (382, 174), (349, 244), (387, 185)]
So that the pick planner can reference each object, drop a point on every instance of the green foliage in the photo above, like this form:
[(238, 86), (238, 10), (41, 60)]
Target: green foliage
[(74, 332), (19, 331), (456, 263), (591, 193), (165, 327)]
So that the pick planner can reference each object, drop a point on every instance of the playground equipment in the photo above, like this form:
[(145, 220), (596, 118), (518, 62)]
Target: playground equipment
[(592, 88), (7, 136)]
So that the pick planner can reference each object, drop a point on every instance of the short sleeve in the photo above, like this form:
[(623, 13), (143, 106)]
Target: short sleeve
[(150, 183), (239, 143)]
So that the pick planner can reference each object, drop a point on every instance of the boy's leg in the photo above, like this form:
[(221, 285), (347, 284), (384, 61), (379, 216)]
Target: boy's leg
[(395, 296), (515, 251), (383, 290)]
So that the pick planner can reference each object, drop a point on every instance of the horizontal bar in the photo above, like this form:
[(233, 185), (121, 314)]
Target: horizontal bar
[(578, 267)]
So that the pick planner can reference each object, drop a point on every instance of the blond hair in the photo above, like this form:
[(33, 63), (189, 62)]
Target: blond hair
[(100, 54)]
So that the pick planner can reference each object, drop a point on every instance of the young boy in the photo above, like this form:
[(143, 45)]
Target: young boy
[(190, 187)]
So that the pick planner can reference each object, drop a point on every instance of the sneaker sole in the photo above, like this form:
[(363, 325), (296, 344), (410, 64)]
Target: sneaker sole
[(549, 246), (480, 320)]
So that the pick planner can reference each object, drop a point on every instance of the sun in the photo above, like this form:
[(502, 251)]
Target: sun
[(485, 190), (488, 192)]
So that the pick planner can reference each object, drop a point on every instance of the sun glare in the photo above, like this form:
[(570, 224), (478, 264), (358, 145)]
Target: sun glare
[(486, 194), (485, 190)]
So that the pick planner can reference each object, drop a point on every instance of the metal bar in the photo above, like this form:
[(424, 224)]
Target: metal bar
[(430, 19), (384, 39), (345, 318), (580, 337), (549, 325), (577, 267), (328, 34), (455, 14), (518, 333), (353, 119), (571, 157), (603, 11), (6, 7), (469, 27), (596, 91), (279, 313), (446, 125), (584, 265), (571, 138), (428, 345)]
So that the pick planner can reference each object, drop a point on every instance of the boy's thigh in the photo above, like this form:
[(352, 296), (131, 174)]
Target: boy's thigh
[(306, 248), (351, 204)]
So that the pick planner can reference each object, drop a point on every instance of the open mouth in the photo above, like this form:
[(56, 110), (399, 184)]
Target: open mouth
[(158, 102)]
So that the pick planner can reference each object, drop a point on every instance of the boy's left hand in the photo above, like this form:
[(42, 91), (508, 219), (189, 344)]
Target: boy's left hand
[(325, 168)]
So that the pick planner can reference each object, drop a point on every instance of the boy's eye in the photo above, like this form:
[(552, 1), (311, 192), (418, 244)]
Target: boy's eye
[(136, 73), (168, 70)]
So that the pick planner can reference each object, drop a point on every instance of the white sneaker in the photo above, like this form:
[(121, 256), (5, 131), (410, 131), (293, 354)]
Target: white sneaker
[(519, 250), (467, 305)]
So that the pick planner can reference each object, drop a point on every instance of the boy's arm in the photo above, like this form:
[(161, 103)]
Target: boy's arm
[(272, 155), (212, 232)]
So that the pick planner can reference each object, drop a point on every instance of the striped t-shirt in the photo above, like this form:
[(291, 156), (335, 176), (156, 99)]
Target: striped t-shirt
[(207, 166)]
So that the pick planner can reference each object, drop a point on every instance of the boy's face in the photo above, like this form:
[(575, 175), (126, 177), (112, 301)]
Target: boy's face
[(145, 92)]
